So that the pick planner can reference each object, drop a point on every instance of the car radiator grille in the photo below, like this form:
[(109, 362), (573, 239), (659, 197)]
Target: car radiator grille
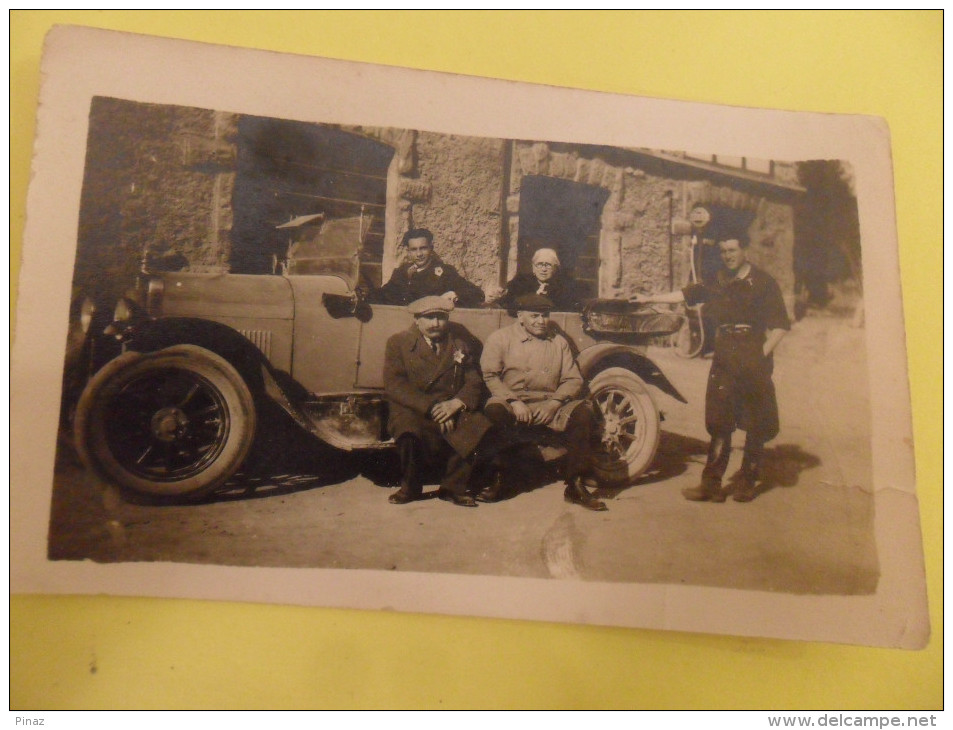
[(260, 339)]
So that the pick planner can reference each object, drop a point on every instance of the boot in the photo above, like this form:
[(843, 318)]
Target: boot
[(576, 493), (747, 486), (493, 491), (710, 489), (402, 496), (411, 487)]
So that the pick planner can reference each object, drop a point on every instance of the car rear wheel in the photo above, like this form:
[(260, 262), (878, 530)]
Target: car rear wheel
[(173, 424), (690, 338), (628, 426)]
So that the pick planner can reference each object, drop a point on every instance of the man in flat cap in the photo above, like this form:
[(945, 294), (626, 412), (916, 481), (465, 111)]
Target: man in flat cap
[(425, 274), (434, 391), (535, 384), (546, 278)]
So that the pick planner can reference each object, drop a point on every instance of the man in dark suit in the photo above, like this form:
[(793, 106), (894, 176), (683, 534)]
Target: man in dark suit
[(424, 274), (434, 390), (546, 279)]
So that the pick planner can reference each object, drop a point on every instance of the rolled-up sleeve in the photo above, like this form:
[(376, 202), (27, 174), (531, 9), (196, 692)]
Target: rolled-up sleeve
[(696, 294)]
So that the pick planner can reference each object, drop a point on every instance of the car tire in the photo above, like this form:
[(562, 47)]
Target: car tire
[(690, 338), (627, 426), (172, 425)]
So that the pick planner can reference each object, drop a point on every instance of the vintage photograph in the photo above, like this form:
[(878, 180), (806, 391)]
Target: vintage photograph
[(301, 344), (586, 374)]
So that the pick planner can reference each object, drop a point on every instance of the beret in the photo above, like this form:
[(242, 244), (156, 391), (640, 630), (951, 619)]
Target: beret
[(534, 303), (425, 305)]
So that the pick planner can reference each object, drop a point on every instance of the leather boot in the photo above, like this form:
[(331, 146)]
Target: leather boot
[(747, 488), (707, 491), (408, 448), (493, 491), (710, 489), (576, 493)]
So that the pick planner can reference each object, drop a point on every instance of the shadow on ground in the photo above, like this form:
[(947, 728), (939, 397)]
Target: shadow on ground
[(288, 460)]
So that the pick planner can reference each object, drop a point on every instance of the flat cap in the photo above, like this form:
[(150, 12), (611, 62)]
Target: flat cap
[(426, 305), (534, 303)]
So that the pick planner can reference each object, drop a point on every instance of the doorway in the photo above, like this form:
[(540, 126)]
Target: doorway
[(565, 216)]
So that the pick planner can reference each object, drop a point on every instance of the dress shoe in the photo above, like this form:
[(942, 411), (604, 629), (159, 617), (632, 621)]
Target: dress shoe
[(461, 500), (492, 491), (705, 493), (576, 493), (401, 497)]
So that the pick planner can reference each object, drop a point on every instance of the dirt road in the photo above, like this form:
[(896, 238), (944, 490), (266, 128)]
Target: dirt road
[(810, 532)]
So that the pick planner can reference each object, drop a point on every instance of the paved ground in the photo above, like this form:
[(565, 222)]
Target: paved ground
[(810, 532)]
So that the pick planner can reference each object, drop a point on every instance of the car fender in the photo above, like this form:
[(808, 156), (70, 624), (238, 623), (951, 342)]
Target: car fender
[(596, 358), (262, 378)]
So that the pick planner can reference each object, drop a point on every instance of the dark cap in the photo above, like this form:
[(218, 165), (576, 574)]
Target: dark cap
[(534, 303), (427, 305)]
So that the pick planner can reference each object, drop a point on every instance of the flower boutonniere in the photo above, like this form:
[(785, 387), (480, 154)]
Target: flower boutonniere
[(459, 356), (438, 271)]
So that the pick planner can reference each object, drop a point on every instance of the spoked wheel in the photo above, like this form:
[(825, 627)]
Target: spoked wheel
[(690, 338), (171, 424), (628, 426)]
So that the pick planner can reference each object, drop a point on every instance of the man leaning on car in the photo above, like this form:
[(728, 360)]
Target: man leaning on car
[(424, 274)]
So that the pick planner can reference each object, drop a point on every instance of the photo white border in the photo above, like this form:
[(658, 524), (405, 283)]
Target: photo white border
[(80, 63)]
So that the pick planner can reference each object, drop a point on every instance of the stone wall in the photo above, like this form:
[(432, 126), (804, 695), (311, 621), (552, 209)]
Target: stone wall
[(463, 180), (157, 187), (649, 199)]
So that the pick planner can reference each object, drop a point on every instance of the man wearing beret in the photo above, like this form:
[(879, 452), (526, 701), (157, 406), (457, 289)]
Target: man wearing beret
[(434, 391), (424, 274), (535, 384)]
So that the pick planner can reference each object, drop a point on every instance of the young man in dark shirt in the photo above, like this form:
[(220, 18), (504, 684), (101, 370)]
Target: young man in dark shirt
[(423, 274), (750, 320)]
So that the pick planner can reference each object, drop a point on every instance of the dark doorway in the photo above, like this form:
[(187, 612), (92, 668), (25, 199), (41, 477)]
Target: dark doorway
[(288, 169), (565, 216)]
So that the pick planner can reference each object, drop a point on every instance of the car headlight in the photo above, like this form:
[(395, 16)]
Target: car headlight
[(86, 312), (154, 290), (125, 309)]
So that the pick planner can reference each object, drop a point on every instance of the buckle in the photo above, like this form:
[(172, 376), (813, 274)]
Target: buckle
[(735, 329)]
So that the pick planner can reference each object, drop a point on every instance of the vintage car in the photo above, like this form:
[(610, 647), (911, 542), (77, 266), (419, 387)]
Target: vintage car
[(184, 367)]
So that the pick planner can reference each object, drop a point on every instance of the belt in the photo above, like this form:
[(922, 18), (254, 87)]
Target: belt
[(735, 329)]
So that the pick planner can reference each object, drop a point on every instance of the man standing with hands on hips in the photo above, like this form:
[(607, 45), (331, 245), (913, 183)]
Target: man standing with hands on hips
[(750, 320)]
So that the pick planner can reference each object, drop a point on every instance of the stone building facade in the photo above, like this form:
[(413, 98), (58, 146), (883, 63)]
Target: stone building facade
[(181, 188)]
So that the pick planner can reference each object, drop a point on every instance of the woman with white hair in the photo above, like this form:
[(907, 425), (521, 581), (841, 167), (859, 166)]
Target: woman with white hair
[(547, 279)]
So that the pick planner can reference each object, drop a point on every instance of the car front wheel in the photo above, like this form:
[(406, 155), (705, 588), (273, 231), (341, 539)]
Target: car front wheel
[(173, 424), (628, 426)]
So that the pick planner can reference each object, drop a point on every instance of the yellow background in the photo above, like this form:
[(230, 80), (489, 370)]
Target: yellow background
[(97, 652)]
